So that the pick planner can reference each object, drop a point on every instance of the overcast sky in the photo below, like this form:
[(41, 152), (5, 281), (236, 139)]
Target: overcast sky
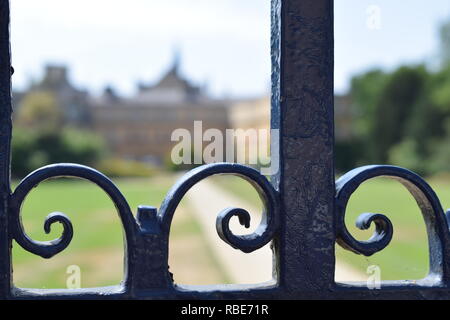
[(224, 43)]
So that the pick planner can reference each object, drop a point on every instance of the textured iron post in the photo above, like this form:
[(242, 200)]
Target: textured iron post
[(5, 142), (302, 108)]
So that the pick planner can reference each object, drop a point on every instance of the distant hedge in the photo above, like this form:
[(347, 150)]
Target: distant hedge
[(32, 149)]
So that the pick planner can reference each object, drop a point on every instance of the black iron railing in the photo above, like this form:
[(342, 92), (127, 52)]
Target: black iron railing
[(304, 208)]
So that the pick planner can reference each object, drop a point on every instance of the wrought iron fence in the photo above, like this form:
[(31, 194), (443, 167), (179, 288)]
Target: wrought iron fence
[(304, 207)]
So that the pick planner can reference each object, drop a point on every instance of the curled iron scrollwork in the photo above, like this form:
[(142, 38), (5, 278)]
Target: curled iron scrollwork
[(246, 243), (47, 249), (426, 198)]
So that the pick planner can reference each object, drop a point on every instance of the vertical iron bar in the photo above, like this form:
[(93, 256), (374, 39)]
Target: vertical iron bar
[(5, 143), (302, 109)]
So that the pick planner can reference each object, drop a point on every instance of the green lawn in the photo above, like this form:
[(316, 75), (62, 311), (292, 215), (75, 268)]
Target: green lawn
[(97, 245), (407, 255)]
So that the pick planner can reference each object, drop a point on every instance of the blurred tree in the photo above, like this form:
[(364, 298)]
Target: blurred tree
[(39, 137), (440, 91), (403, 117), (405, 154), (427, 121), (395, 105), (32, 149), (445, 44), (39, 110), (439, 160), (23, 149), (366, 90)]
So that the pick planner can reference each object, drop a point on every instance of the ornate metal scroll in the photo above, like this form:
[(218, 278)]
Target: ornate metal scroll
[(50, 248), (426, 198), (150, 229), (246, 243)]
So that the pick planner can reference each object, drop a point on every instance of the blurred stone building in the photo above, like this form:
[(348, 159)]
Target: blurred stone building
[(140, 127), (73, 102)]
